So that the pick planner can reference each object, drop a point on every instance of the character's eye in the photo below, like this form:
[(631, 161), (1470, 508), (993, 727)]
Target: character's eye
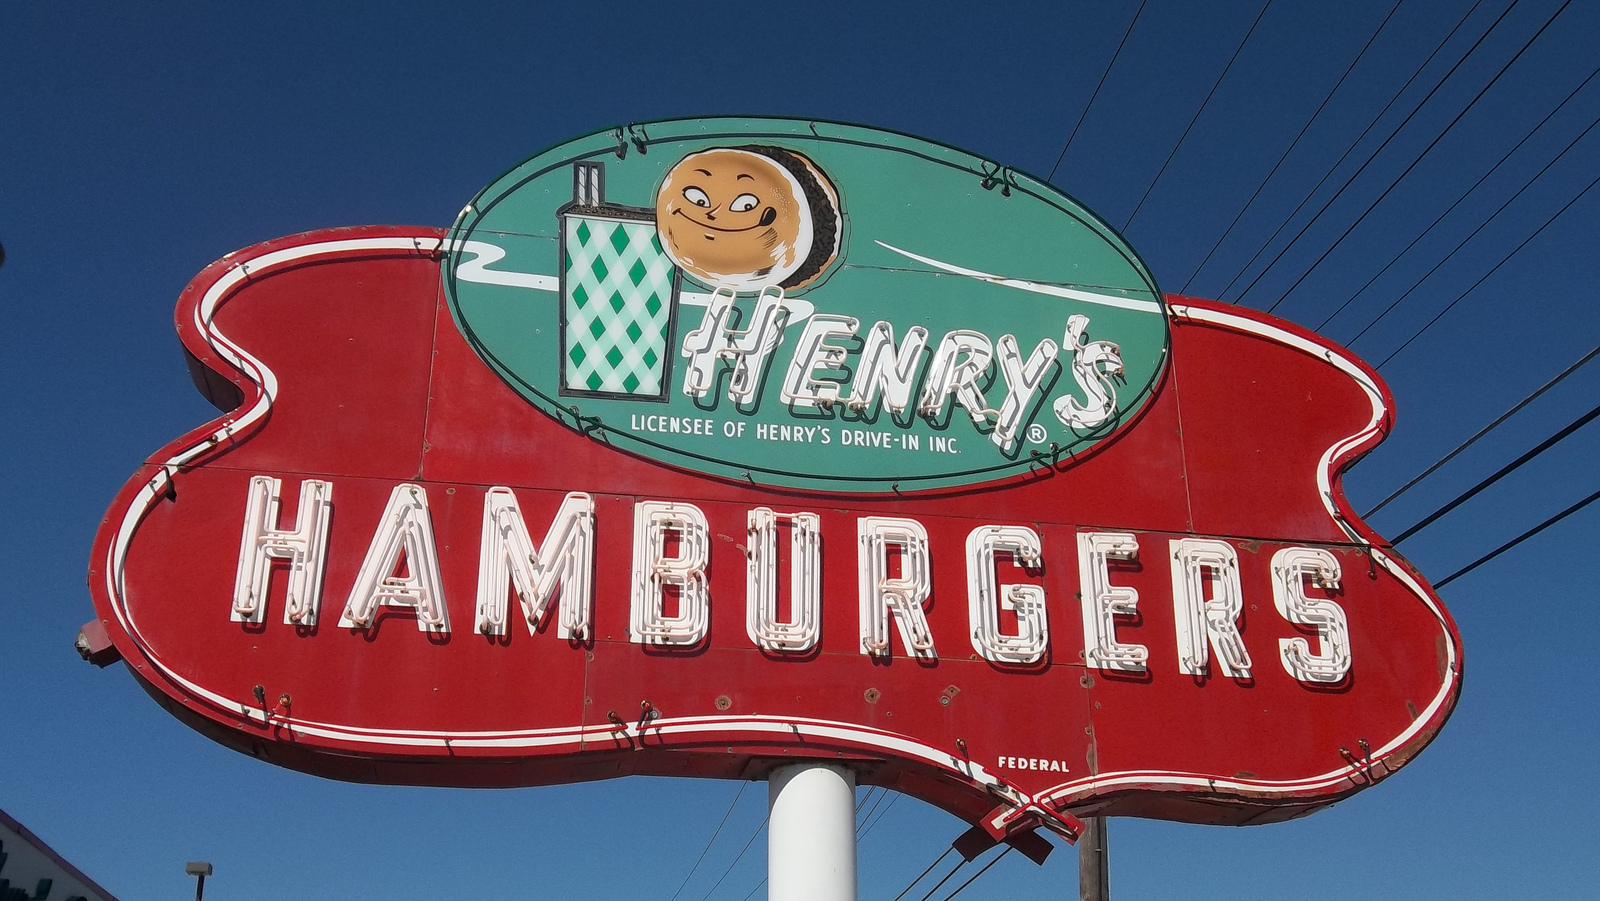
[(744, 203), (696, 196)]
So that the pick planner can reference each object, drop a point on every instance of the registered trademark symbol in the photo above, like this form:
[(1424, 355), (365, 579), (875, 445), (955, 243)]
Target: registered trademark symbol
[(1037, 433)]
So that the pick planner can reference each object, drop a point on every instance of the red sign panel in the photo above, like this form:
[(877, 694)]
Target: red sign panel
[(385, 564)]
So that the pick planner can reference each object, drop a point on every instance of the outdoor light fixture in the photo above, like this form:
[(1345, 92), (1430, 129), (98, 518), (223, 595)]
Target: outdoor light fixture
[(200, 870)]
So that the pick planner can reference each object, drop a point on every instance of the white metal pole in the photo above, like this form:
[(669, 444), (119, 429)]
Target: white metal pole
[(811, 833)]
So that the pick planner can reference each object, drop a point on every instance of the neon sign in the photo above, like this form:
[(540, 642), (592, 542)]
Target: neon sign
[(415, 548)]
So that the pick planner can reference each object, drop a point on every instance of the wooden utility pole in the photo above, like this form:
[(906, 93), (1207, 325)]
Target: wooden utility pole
[(1094, 877)]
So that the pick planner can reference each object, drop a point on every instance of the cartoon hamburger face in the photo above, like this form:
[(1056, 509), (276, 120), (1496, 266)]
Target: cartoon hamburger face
[(749, 218)]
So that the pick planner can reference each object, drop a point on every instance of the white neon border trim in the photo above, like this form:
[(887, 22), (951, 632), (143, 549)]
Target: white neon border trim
[(256, 371), (1237, 322), (1041, 805)]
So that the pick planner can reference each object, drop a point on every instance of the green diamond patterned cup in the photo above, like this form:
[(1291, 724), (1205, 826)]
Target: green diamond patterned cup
[(617, 289)]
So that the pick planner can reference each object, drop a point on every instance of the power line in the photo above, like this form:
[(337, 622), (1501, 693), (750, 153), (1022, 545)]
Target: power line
[(940, 884), (1517, 540), (1376, 153), (874, 823), (861, 827), (756, 889), (1348, 150), (996, 859), (1420, 157), (1481, 226), (1484, 431), (1063, 155), (1292, 145), (924, 874), (736, 859), (713, 840), (1486, 275), (1459, 200), (1501, 473), (864, 799), (1181, 138)]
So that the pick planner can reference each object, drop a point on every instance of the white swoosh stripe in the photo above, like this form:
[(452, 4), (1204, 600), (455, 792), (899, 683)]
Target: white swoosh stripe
[(1105, 300)]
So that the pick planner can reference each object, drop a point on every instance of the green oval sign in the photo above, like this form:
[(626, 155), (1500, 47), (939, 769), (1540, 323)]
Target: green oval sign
[(806, 304)]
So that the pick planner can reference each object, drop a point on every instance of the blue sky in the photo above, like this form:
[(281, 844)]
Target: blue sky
[(138, 144)]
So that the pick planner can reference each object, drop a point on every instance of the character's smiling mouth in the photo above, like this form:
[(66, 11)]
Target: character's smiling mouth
[(679, 212)]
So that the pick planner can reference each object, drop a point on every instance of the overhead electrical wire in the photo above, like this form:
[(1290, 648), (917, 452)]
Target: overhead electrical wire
[(1292, 145), (1414, 163), (867, 796), (712, 841), (1209, 94), (874, 823), (863, 821), (1098, 85), (1458, 201), (736, 859), (940, 884), (862, 826), (992, 861), (1517, 540), (1481, 226), (924, 874), (1500, 473), (1339, 192), (1484, 431), (1348, 150), (1514, 251)]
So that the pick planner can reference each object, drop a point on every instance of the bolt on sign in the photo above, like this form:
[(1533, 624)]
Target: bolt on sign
[(705, 445)]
